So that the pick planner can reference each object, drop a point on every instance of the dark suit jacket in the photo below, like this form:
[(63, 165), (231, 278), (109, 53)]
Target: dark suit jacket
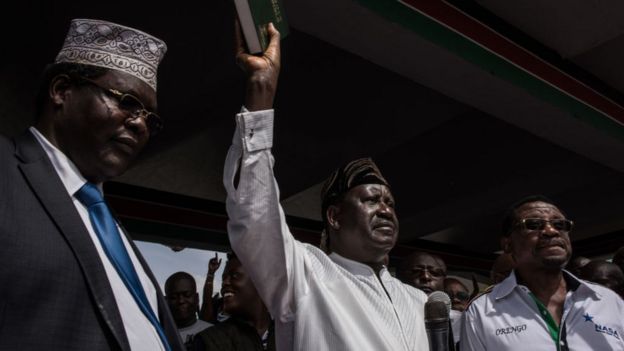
[(54, 293)]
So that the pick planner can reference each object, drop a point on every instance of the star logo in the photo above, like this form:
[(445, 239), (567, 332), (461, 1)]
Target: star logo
[(588, 318)]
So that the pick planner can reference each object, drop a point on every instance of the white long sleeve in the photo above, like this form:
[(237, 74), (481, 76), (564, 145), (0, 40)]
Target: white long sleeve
[(319, 302)]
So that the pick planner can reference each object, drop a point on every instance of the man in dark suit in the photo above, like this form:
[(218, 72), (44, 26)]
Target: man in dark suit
[(70, 277)]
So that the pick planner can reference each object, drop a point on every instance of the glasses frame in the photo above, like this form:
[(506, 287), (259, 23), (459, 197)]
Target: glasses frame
[(434, 272), (522, 224), (152, 120), (456, 295)]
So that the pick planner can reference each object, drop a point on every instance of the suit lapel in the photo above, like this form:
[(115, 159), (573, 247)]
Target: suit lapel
[(47, 186)]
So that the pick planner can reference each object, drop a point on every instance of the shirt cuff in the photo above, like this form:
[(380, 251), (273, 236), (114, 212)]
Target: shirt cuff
[(254, 130)]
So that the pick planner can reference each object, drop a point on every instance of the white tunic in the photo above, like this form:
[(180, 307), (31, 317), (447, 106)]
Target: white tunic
[(319, 302), (507, 318)]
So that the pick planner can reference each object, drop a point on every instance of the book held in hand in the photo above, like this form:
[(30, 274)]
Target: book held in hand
[(255, 16)]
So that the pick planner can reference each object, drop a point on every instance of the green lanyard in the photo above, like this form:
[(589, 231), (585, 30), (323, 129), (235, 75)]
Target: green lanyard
[(553, 329)]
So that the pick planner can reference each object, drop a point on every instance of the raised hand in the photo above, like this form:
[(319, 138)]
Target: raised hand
[(262, 71), (214, 264)]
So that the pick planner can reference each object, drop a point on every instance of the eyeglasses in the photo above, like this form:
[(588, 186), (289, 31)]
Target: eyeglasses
[(132, 104), (460, 295), (434, 272), (534, 224)]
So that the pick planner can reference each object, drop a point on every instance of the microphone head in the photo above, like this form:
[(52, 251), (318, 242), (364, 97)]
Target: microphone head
[(437, 321), (440, 296), (438, 306)]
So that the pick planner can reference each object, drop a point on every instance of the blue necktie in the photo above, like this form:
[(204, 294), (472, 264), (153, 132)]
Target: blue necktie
[(106, 229)]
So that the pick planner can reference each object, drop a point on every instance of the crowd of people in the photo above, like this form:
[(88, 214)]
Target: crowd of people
[(250, 326), (95, 112)]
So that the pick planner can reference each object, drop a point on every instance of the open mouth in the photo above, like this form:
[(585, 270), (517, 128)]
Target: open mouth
[(383, 224), (426, 289)]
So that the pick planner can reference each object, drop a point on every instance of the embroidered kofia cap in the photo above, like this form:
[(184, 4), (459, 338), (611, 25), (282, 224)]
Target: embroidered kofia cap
[(110, 45)]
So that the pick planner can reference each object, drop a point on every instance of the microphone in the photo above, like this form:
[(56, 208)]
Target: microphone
[(437, 322)]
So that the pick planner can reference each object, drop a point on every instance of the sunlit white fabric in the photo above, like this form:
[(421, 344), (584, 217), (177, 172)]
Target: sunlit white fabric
[(507, 318), (319, 302)]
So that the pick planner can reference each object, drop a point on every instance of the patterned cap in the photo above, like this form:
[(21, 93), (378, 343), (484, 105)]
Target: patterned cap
[(352, 174), (110, 45)]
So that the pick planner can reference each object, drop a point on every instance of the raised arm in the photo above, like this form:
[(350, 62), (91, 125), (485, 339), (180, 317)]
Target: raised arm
[(206, 312), (257, 228)]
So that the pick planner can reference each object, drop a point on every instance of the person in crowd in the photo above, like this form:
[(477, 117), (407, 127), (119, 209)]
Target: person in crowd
[(618, 258), (423, 271), (346, 300), (249, 326), (502, 267), (576, 264), (459, 295), (208, 312), (540, 305), (458, 292), (606, 274), (95, 111), (181, 294)]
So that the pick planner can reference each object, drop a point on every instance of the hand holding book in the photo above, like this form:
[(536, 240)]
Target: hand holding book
[(262, 71), (255, 16)]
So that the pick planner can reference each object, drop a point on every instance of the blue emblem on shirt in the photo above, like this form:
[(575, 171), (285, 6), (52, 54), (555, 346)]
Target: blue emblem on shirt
[(602, 328)]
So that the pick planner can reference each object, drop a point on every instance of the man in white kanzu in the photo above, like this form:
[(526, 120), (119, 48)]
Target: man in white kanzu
[(540, 306), (345, 300)]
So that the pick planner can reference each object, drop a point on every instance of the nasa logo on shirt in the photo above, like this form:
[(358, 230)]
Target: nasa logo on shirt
[(602, 328), (607, 330)]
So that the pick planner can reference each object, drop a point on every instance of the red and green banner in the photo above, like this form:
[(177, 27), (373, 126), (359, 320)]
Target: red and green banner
[(447, 26)]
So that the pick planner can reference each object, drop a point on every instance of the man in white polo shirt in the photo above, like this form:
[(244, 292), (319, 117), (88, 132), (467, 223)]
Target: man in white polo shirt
[(540, 306)]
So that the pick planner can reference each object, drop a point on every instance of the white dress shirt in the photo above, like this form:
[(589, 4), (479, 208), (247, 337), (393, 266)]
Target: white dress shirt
[(142, 335), (319, 302), (507, 318)]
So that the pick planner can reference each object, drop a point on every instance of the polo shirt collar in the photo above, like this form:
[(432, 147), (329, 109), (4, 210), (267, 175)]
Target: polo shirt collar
[(582, 286), (507, 286)]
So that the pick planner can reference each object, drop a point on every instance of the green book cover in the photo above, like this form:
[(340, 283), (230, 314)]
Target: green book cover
[(254, 16)]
